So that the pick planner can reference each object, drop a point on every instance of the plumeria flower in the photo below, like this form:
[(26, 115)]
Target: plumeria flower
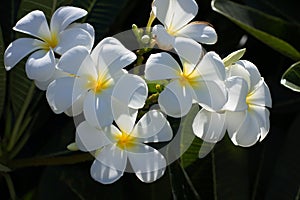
[(48, 41), (114, 146), (244, 116), (201, 81), (93, 80), (175, 16)]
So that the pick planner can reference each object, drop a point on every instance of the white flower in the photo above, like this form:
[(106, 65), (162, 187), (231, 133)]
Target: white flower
[(244, 116), (202, 82), (175, 16), (93, 80), (114, 146), (58, 38)]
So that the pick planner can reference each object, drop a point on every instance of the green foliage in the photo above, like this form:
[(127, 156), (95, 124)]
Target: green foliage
[(291, 77), (2, 75), (273, 31)]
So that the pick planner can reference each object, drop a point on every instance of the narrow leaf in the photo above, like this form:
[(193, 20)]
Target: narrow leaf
[(233, 57), (274, 32), (291, 77), (3, 168)]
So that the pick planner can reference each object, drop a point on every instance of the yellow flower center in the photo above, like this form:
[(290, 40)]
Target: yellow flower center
[(189, 78), (99, 85), (125, 141), (50, 42)]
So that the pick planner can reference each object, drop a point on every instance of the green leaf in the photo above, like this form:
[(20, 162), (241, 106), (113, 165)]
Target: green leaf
[(101, 14), (291, 77), (2, 75), (4, 168), (233, 57), (274, 32)]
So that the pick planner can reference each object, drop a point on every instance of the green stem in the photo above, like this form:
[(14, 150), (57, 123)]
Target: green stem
[(10, 186), (15, 134), (214, 174), (49, 161)]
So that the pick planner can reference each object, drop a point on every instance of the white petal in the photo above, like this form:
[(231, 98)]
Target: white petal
[(104, 174), (211, 67), (61, 93), (211, 95), (176, 100), (165, 134), (209, 126), (163, 39), (113, 157), (262, 117), (85, 26), (89, 138), (40, 65), (76, 108), (18, 49), (75, 59), (237, 93), (35, 24), (188, 50), (73, 37), (97, 109), (64, 16), (132, 90), (147, 162), (42, 85), (149, 125), (201, 32), (255, 76), (261, 96), (123, 115), (240, 71), (161, 66), (175, 14), (248, 132), (111, 56)]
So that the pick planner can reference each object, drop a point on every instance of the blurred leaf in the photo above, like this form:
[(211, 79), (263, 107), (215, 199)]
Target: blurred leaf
[(285, 181), (101, 14), (230, 171), (3, 168), (2, 75), (273, 31), (189, 144), (291, 77), (182, 186)]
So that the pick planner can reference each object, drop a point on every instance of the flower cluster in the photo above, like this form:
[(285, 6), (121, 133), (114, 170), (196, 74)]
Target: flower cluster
[(94, 82)]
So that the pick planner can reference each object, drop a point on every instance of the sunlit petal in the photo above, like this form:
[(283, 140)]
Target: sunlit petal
[(131, 90), (113, 156), (42, 85), (188, 50), (199, 31), (73, 37), (255, 76), (163, 39), (89, 138), (175, 14), (261, 95), (85, 26), (64, 16), (176, 100), (261, 114), (35, 24), (237, 93), (211, 67), (61, 94), (97, 109), (145, 159), (161, 66), (104, 174), (209, 126), (165, 134), (40, 65), (111, 56), (18, 49)]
